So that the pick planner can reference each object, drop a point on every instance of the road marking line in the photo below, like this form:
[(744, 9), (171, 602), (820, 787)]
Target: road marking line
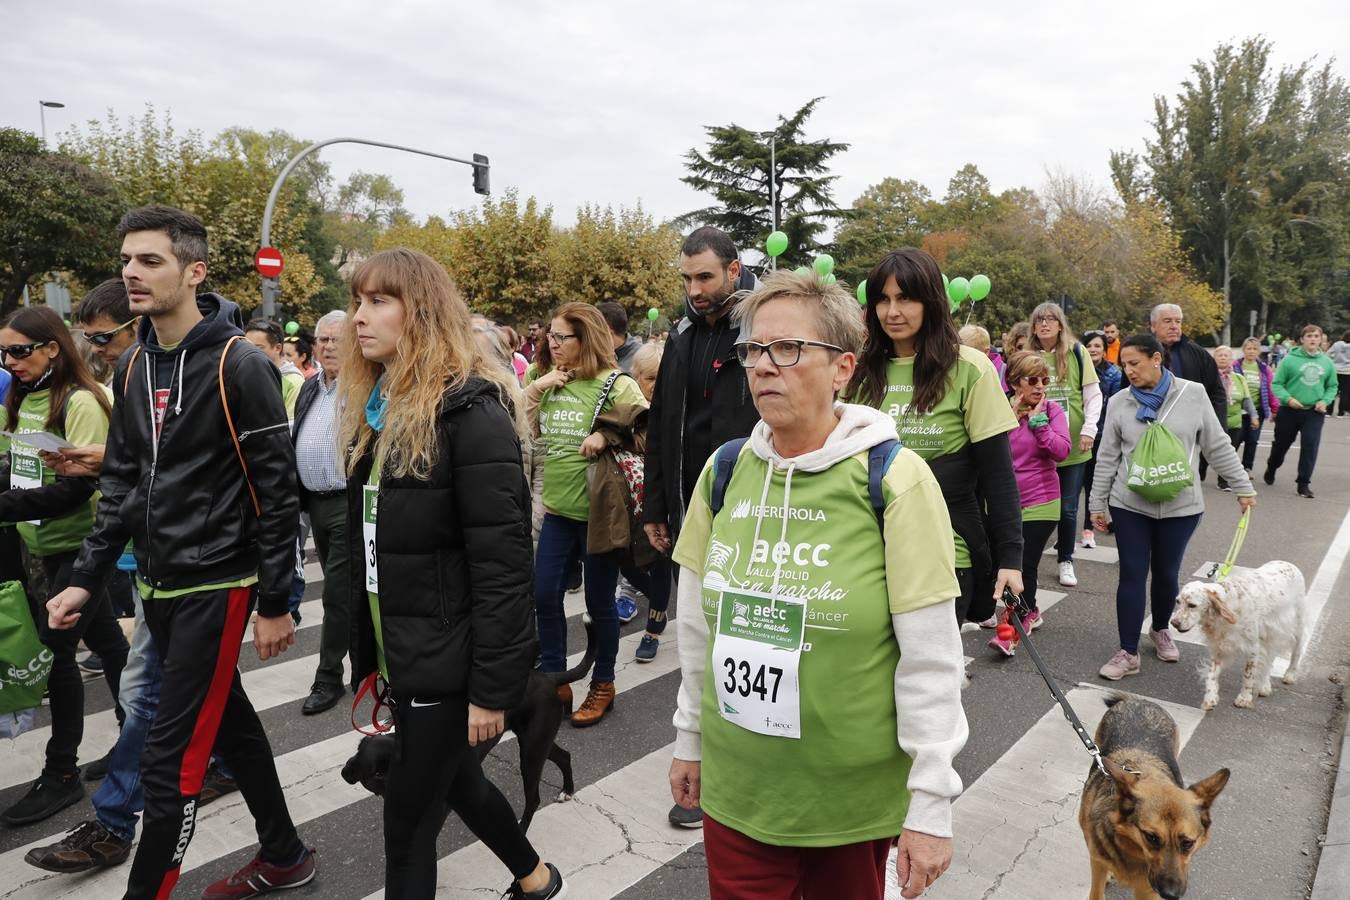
[(1319, 592)]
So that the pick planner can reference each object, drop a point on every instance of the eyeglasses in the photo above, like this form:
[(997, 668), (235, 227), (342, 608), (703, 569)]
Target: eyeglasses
[(783, 353), (21, 351), (1041, 320), (326, 340), (1037, 380), (103, 338), (558, 337)]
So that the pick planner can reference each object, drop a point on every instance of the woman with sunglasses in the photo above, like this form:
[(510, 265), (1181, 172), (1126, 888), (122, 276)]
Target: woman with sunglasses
[(298, 350), (54, 392), (1075, 387), (573, 396), (1040, 441), (949, 408)]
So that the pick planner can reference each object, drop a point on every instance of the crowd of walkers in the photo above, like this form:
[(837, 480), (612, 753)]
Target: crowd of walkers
[(831, 496)]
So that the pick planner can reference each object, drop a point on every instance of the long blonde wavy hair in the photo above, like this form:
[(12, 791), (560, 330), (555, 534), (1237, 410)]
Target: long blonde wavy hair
[(436, 353)]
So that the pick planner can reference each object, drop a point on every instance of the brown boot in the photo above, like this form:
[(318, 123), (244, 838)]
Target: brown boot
[(565, 698), (599, 700)]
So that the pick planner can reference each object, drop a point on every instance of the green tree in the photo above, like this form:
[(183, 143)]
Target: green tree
[(735, 170), (622, 257), (890, 214)]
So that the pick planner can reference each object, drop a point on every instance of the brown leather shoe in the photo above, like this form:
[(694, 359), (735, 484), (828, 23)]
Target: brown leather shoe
[(565, 698), (599, 700)]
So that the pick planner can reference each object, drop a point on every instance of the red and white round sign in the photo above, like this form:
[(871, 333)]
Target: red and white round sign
[(268, 262)]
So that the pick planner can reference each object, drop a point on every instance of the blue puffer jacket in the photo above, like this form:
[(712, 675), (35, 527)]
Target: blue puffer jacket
[(1110, 377)]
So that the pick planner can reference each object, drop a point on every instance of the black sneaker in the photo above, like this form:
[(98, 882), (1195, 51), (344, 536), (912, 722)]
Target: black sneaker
[(686, 818), (556, 889), (574, 578), (215, 784), (91, 666), (1269, 477), (98, 769), (88, 846), (48, 796), (1305, 492)]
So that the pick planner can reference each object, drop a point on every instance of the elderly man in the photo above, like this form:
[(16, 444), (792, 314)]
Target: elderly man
[(1186, 359), (323, 495)]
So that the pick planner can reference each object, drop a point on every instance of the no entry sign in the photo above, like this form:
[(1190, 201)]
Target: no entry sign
[(268, 262)]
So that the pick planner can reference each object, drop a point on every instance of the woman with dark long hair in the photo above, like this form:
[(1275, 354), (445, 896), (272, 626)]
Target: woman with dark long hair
[(54, 392), (949, 408)]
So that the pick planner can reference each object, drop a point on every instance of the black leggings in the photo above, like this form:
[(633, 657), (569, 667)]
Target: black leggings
[(1034, 538), (433, 772), (98, 627)]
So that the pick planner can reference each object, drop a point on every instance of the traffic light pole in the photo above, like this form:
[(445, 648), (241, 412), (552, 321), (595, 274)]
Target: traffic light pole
[(270, 288)]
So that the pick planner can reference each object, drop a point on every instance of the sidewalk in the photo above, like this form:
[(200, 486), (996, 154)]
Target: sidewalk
[(1333, 868)]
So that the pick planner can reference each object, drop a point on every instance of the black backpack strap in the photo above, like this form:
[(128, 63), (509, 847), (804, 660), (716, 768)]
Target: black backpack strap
[(724, 461), (878, 463)]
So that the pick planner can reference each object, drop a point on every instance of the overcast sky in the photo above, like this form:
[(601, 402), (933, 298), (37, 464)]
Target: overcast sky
[(582, 101)]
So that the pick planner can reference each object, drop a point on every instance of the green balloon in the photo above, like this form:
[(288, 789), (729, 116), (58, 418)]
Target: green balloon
[(944, 282), (979, 287), (776, 243), (824, 264), (653, 314), (801, 270), (953, 305), (1277, 337), (828, 280), (292, 327), (957, 290), (862, 293)]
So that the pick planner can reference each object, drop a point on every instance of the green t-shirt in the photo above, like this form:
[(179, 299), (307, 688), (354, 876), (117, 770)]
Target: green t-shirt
[(972, 408), (1241, 392), (291, 382), (531, 372), (844, 779), (1041, 512), (86, 423), (565, 416), (1068, 393), (371, 597)]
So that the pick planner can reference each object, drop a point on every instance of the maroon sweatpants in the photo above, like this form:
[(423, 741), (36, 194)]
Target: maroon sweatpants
[(741, 868)]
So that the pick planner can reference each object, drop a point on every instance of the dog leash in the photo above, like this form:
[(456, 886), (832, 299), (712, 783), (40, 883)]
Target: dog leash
[(1019, 609), (1235, 547)]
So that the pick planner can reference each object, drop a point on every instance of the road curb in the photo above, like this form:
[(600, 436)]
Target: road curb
[(1333, 867)]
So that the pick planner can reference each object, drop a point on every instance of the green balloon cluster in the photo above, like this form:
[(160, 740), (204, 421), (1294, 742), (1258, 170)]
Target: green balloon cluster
[(958, 289), (653, 314), (776, 243), (292, 327)]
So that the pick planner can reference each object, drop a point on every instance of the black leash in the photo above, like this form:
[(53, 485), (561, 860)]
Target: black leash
[(1019, 608)]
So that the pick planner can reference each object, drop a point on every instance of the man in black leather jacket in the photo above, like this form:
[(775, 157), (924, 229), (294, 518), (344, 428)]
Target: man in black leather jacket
[(199, 473)]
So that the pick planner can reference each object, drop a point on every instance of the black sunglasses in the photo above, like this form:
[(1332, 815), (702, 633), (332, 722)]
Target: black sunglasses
[(103, 338), (21, 351)]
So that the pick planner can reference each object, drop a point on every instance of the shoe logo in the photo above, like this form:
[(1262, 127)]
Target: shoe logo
[(413, 703)]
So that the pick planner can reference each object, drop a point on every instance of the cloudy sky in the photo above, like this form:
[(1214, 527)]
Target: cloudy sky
[(587, 101)]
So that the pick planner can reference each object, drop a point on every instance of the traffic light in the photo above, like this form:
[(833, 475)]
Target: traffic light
[(480, 175)]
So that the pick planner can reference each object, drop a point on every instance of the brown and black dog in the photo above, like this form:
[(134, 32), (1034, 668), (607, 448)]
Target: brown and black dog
[(1142, 825)]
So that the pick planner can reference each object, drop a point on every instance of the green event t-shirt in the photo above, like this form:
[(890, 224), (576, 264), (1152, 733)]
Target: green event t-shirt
[(1068, 393), (1042, 512), (845, 778), (973, 408), (291, 382), (565, 416), (86, 423), (1241, 391)]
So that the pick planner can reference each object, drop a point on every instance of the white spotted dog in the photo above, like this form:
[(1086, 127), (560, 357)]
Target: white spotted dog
[(1255, 614)]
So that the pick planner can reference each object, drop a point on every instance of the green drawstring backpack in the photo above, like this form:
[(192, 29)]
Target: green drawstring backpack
[(1160, 467)]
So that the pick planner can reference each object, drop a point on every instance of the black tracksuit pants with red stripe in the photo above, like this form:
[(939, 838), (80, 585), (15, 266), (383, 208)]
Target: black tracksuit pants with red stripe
[(202, 704)]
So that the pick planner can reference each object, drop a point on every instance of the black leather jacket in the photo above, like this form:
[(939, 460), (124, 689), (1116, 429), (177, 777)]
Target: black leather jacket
[(183, 500)]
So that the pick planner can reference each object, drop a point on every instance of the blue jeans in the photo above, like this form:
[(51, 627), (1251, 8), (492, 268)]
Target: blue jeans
[(562, 542), (1070, 486), (1148, 545), (119, 799)]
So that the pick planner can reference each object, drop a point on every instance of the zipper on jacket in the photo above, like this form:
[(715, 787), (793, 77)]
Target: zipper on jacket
[(243, 435)]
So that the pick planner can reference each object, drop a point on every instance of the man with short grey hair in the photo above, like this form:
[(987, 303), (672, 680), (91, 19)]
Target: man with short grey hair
[(1186, 359), (323, 495)]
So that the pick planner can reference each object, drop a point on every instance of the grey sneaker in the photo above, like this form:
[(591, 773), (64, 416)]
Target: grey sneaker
[(686, 818), (1122, 664), (1165, 646)]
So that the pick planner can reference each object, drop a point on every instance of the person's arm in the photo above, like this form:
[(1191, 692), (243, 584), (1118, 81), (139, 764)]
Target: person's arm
[(654, 509), (691, 628), (1277, 383), (1108, 460), (1213, 381), (491, 504), (1003, 506), (1331, 386), (253, 391), (1092, 409), (120, 472), (86, 423), (1053, 436)]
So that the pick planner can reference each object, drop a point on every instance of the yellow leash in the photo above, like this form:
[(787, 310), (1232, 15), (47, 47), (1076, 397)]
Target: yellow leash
[(1235, 547)]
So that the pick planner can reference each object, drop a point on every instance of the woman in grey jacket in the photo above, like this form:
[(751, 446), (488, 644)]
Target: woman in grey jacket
[(1154, 535)]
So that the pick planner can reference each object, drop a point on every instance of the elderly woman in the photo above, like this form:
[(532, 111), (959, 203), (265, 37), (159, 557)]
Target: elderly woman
[(818, 640), (1152, 535)]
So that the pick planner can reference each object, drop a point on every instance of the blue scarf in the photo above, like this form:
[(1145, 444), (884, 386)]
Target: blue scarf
[(376, 406), (1150, 401)]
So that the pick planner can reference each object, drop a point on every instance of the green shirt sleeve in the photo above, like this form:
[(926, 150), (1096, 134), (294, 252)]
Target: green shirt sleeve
[(290, 392), (86, 422), (626, 390), (987, 411), (920, 554), (1277, 384)]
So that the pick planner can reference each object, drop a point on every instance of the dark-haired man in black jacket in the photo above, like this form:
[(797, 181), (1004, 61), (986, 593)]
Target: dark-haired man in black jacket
[(199, 473)]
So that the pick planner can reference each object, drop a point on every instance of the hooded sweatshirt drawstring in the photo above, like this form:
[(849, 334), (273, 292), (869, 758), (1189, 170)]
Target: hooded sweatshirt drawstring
[(182, 361)]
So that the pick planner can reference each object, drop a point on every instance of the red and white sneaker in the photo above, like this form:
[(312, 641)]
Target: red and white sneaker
[(262, 877)]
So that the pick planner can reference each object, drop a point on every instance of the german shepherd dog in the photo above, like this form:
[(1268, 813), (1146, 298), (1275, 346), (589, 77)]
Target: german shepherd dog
[(1142, 825)]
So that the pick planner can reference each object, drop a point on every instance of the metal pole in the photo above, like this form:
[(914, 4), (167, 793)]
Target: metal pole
[(269, 285), (773, 192), (42, 114)]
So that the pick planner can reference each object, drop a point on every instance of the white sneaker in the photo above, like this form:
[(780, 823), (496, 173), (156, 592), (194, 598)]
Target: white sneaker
[(1089, 539), (1066, 576)]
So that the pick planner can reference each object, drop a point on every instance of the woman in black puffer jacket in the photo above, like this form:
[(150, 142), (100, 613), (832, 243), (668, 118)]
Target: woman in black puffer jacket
[(438, 513)]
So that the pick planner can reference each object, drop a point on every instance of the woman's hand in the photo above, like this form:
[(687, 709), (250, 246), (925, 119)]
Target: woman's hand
[(1010, 579), (1099, 521), (1085, 443), (920, 860), (484, 724), (1246, 503), (553, 378), (684, 782), (593, 446)]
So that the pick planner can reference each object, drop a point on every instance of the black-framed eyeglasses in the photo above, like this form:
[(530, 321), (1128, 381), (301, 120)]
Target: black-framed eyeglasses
[(783, 353), (327, 339), (103, 338), (558, 337), (21, 351), (1042, 320)]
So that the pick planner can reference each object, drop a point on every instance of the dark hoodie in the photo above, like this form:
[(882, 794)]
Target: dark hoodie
[(173, 481)]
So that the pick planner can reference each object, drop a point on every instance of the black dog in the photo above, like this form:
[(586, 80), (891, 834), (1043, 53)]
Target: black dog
[(534, 722)]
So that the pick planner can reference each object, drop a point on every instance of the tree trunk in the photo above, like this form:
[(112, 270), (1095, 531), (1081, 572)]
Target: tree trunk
[(13, 293), (1265, 316)]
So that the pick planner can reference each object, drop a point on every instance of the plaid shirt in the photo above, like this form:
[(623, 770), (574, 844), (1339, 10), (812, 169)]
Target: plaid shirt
[(316, 454)]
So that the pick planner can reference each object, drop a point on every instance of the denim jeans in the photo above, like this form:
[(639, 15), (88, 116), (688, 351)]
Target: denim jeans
[(561, 542), (119, 799), (1070, 486)]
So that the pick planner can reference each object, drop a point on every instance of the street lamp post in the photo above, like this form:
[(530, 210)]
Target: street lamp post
[(43, 106), (270, 288), (773, 188)]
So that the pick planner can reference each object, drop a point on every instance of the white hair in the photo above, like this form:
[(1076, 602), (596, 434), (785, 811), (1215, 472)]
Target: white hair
[(1161, 308), (332, 317)]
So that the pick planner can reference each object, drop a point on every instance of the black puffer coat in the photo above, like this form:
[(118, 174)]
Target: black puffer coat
[(454, 560)]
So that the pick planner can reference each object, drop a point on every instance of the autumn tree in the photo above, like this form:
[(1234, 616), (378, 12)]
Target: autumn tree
[(622, 257)]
